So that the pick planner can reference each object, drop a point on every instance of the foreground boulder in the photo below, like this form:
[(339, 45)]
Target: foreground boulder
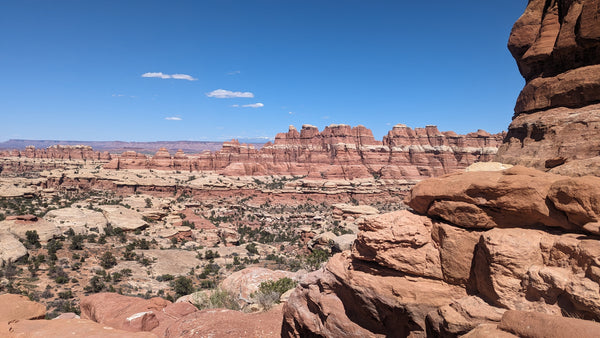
[(477, 244), (133, 314), (64, 328), (19, 307), (159, 317), (228, 323), (20, 317), (484, 200), (353, 298), (538, 325)]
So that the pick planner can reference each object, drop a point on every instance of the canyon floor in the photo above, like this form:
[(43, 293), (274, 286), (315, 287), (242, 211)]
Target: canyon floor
[(71, 228)]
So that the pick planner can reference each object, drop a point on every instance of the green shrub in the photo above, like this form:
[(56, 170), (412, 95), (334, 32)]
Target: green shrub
[(33, 239), (107, 260), (270, 292), (280, 286), (216, 299), (96, 285), (183, 286), (76, 242), (165, 278), (252, 249), (315, 259)]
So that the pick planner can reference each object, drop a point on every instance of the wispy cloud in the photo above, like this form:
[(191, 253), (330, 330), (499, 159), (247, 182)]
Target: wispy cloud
[(228, 94), (291, 113), (123, 95), (161, 75), (173, 118), (235, 72), (254, 105), (251, 105)]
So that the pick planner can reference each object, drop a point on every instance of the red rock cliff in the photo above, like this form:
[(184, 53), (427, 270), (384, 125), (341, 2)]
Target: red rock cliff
[(339, 151), (79, 152), (556, 44)]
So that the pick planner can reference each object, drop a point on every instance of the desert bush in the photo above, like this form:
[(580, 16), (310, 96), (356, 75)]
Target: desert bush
[(96, 285), (252, 249), (76, 242), (217, 298), (108, 260), (315, 259), (165, 277), (53, 246), (189, 224), (33, 239), (266, 299), (183, 286), (209, 254), (270, 292)]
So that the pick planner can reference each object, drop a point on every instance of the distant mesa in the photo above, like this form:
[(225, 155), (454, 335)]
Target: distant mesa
[(114, 147), (59, 152), (338, 152)]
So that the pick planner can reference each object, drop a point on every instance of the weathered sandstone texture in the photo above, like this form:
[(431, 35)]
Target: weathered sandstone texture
[(338, 152), (556, 44), (476, 245)]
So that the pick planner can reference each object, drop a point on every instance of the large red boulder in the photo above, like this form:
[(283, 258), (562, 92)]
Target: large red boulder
[(131, 313)]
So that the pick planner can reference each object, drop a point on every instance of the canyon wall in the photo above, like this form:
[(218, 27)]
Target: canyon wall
[(556, 44), (339, 151), (59, 152)]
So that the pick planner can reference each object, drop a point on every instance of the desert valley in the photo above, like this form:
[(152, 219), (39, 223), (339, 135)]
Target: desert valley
[(326, 233)]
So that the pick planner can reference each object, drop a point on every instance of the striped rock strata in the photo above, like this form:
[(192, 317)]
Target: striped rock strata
[(339, 151)]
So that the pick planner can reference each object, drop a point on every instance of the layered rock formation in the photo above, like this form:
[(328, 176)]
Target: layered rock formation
[(339, 151), (477, 244), (59, 152), (556, 44)]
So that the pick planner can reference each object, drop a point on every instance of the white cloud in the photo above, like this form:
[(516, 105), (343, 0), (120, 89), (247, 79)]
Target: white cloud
[(160, 75), (173, 118), (251, 105), (228, 94), (235, 72), (183, 77), (291, 113), (254, 105)]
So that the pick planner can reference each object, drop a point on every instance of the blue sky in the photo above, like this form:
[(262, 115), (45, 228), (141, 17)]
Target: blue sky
[(151, 70)]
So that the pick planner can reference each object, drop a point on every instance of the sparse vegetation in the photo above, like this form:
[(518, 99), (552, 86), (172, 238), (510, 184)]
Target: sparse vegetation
[(216, 298), (247, 224)]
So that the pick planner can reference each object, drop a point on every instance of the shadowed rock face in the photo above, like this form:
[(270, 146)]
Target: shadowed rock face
[(556, 44)]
